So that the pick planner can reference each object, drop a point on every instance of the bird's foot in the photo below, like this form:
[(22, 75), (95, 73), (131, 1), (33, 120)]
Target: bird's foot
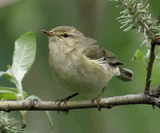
[(97, 99), (65, 100)]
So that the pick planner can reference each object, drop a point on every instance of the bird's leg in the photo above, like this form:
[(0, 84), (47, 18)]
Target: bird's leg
[(65, 99), (98, 98)]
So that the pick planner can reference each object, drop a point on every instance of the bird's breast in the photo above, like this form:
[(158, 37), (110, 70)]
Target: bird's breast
[(76, 72)]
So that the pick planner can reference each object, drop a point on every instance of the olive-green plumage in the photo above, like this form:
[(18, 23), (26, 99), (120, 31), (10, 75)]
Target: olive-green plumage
[(79, 63)]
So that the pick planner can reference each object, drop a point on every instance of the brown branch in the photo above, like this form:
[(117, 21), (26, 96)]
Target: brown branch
[(151, 61), (149, 68), (70, 105)]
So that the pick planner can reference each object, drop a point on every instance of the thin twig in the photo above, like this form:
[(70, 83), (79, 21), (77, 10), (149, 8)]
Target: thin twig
[(149, 68), (151, 61)]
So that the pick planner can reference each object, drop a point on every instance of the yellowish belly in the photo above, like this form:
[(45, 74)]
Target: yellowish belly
[(82, 76)]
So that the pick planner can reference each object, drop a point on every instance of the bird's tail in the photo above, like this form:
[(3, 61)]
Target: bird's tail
[(125, 74)]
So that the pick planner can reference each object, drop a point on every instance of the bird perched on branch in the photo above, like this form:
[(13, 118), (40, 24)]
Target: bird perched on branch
[(80, 64)]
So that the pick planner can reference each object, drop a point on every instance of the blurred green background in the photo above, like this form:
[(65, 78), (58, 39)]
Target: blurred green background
[(96, 19)]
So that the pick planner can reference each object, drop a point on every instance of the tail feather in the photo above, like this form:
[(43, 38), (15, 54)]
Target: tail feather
[(125, 74)]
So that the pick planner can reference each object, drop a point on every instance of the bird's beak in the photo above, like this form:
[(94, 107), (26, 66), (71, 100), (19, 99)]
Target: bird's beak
[(49, 33)]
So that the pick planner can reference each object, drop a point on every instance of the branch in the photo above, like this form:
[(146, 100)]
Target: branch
[(70, 105), (151, 61), (149, 68)]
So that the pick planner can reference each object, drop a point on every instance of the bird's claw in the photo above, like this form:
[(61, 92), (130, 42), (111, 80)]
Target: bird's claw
[(97, 99), (60, 101), (65, 100)]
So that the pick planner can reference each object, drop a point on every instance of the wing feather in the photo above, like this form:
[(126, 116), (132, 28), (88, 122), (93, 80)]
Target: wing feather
[(95, 52)]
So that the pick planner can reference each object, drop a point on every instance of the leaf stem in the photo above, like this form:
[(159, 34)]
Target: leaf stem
[(19, 86)]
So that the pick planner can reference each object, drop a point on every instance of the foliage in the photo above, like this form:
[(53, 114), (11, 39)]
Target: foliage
[(136, 16), (23, 57), (8, 125)]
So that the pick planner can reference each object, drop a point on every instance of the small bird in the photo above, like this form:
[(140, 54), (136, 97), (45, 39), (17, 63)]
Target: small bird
[(79, 64)]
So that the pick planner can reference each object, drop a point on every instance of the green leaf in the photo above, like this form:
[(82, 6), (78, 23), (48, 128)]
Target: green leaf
[(10, 93), (138, 56), (146, 58), (24, 55), (4, 94), (47, 113), (10, 76)]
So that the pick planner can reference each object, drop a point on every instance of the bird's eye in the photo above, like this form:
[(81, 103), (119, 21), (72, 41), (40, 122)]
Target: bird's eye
[(65, 35)]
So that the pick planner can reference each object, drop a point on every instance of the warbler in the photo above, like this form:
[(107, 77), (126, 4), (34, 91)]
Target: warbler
[(79, 64)]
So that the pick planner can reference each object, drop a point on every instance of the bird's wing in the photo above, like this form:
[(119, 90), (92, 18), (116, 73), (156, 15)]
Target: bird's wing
[(95, 52)]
